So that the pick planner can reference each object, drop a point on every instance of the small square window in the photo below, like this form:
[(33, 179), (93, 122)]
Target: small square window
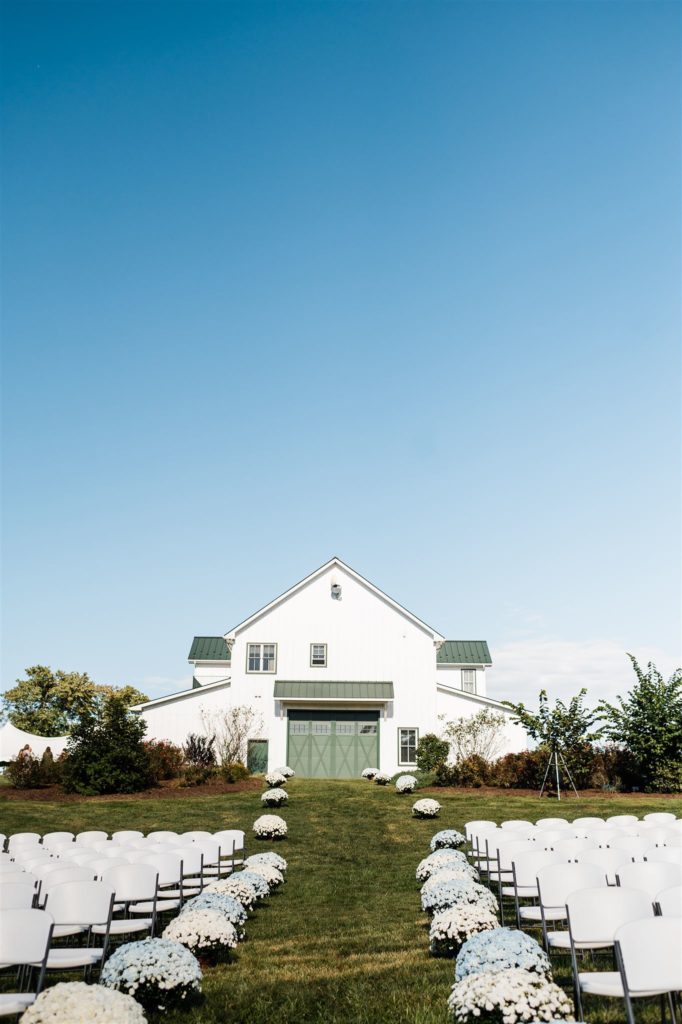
[(318, 655)]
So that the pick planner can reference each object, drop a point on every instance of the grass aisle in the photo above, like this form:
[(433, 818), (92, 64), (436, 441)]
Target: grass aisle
[(344, 942)]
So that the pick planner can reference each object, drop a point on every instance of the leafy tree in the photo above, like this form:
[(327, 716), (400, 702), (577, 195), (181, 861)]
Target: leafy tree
[(49, 703), (105, 753), (475, 735), (231, 729), (648, 722), (431, 752)]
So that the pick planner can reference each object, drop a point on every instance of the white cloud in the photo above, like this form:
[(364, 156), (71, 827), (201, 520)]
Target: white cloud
[(523, 667)]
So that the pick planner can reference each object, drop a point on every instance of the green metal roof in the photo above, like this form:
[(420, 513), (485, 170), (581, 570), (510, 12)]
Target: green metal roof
[(209, 648), (287, 689), (464, 652)]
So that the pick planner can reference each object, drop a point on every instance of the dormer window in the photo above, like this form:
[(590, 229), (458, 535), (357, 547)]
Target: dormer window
[(469, 680), (261, 658), (318, 655)]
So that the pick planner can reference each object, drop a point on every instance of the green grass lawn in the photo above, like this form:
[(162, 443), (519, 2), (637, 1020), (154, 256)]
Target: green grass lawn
[(344, 941)]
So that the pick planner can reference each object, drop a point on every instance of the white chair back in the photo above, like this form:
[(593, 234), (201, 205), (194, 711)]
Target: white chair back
[(83, 903), (557, 881), (589, 821), (99, 866), (670, 901), (167, 865), (659, 816), (474, 826), (622, 819), (604, 838), (25, 936), (132, 882), (527, 865), (164, 836), (608, 860), (192, 860), (64, 877), (633, 846), (649, 876), (595, 915), (572, 848), (91, 836), (55, 839), (16, 895), (664, 855), (23, 839), (124, 835), (514, 824), (190, 837), (650, 955), (552, 823)]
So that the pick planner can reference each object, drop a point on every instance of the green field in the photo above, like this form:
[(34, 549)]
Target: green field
[(344, 941)]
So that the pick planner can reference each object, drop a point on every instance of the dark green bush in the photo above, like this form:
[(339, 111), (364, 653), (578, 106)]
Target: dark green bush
[(199, 750), (196, 775), (165, 759), (234, 771), (106, 753), (24, 770), (431, 752)]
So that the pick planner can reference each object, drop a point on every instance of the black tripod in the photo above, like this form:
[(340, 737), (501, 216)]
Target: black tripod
[(554, 760)]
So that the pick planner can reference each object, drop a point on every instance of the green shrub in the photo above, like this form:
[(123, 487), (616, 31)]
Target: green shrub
[(50, 770), (523, 770), (196, 775), (24, 770), (165, 759), (431, 752), (234, 771), (473, 771), (198, 750), (106, 753)]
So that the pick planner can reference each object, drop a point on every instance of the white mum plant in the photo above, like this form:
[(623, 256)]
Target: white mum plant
[(406, 783), (440, 859), (159, 973), (458, 892), (270, 826), (226, 905), (74, 1002), (286, 771), (271, 876), (274, 797), (508, 997), (369, 773), (204, 931), (500, 950), (382, 778), (257, 881), (452, 927), (275, 779), (426, 808), (237, 887), (270, 857), (451, 873), (448, 839)]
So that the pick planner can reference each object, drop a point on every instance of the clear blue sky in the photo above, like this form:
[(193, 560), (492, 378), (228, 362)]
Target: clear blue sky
[(393, 281)]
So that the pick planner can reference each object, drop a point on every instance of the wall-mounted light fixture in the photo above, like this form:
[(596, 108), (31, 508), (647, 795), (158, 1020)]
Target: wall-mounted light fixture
[(336, 592)]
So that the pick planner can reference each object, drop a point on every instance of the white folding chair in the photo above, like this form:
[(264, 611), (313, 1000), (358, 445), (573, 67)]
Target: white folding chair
[(588, 821), (553, 823), (231, 845), (664, 855), (573, 849), (51, 839), (649, 958), (479, 845), (136, 888), (525, 867), (545, 838), (17, 895), (555, 883), (52, 881), (86, 906), (622, 819), (594, 916), (7, 863), (604, 837), (168, 865), (668, 902), (606, 859), (164, 836), (190, 837), (515, 824), (211, 867), (649, 876), (504, 871), (632, 846), (99, 866), (192, 865), (659, 817), (23, 839), (124, 835), (25, 937), (92, 836)]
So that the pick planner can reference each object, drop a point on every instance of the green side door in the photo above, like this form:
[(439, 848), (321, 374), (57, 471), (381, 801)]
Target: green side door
[(332, 744), (257, 756)]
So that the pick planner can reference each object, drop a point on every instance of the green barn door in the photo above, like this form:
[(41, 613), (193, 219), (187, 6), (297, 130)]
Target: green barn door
[(333, 744)]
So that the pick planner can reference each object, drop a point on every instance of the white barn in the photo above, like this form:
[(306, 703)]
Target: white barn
[(341, 675)]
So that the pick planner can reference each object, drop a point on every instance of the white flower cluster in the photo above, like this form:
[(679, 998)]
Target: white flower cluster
[(270, 826), (257, 881), (270, 875), (438, 860), (406, 783), (74, 1002), (451, 873), (456, 892), (382, 778), (500, 950), (508, 997), (204, 931), (227, 905), (275, 779), (453, 926), (271, 858), (426, 808), (369, 773), (236, 886), (448, 839), (158, 972), (287, 772), (275, 797)]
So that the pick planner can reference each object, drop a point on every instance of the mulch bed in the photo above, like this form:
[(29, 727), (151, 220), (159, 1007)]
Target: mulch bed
[(164, 791)]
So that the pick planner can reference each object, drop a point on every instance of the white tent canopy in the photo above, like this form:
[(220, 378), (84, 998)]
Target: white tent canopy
[(12, 740)]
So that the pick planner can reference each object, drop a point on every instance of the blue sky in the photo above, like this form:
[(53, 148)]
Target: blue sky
[(397, 282)]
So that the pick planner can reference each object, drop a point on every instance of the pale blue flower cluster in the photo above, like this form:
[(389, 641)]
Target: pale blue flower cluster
[(157, 972), (451, 892), (448, 839), (227, 905), (271, 858), (499, 950), (257, 881)]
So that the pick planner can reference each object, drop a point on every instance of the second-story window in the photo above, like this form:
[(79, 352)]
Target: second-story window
[(318, 655), (469, 680), (261, 658)]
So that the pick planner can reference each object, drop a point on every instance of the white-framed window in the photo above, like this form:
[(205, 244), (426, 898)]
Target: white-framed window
[(261, 658), (469, 680), (407, 745), (318, 655)]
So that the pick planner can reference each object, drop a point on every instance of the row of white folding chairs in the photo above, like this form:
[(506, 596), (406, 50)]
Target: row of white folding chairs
[(52, 840)]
